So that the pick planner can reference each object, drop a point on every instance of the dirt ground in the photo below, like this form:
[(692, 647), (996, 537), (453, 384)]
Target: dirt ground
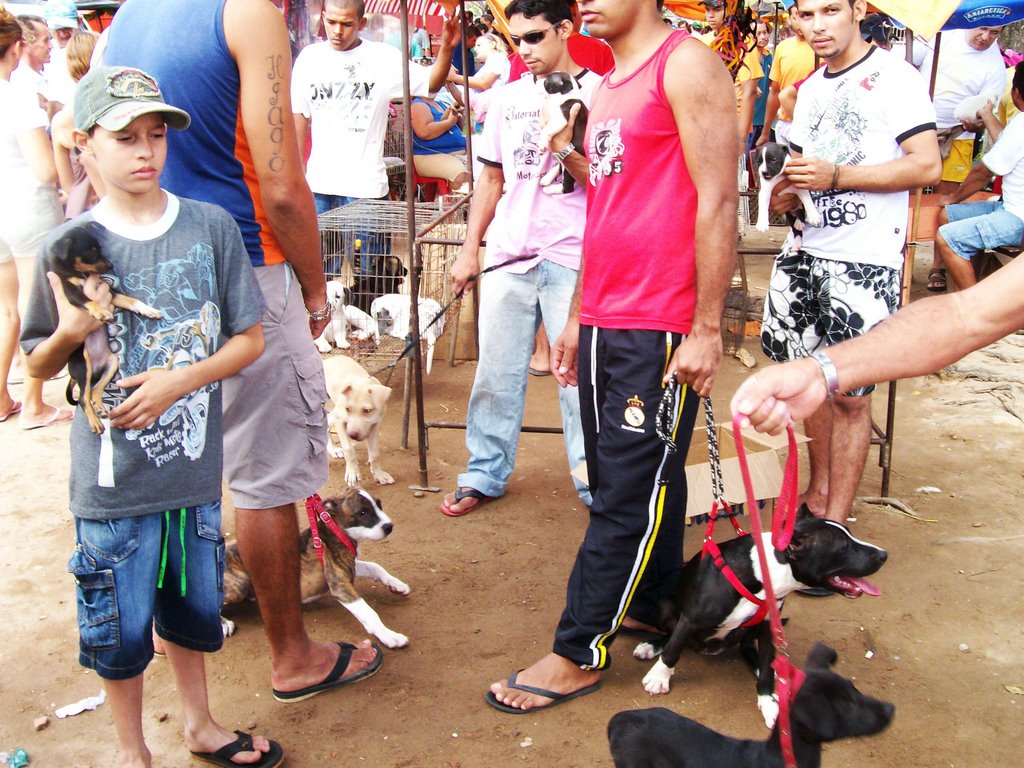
[(945, 641)]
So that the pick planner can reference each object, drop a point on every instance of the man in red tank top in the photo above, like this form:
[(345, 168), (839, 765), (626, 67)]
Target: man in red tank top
[(658, 257)]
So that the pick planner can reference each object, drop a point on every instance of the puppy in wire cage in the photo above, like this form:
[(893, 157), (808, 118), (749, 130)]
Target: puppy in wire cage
[(346, 319)]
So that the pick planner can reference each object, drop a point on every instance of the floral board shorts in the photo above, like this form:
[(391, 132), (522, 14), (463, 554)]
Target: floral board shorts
[(813, 303)]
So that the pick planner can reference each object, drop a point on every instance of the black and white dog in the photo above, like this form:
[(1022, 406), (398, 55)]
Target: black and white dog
[(770, 160), (710, 616), (561, 92), (826, 708), (346, 318)]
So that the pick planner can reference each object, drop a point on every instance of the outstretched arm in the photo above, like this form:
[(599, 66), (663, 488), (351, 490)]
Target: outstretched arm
[(910, 343)]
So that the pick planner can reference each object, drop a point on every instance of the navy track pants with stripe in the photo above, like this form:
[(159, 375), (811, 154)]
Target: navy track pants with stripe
[(632, 553)]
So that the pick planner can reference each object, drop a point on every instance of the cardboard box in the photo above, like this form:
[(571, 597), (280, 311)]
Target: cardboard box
[(765, 455)]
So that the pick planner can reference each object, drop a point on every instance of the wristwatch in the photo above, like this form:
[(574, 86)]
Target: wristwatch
[(564, 153), (828, 371)]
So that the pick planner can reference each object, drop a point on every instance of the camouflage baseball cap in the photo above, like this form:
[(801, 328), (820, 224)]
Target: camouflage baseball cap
[(111, 97)]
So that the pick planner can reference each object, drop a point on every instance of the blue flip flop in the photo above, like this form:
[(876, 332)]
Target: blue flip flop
[(556, 698), (334, 679)]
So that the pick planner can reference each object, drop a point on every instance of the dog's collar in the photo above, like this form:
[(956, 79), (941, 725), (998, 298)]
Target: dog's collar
[(315, 509)]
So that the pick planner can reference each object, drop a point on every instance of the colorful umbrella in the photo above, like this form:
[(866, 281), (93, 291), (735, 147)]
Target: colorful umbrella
[(416, 7)]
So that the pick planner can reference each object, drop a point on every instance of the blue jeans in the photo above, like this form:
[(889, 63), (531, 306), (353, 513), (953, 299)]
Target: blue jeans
[(373, 244), (511, 309), (975, 227), (117, 567)]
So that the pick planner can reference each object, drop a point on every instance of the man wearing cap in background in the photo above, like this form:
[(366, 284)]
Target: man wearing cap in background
[(969, 65), (62, 19)]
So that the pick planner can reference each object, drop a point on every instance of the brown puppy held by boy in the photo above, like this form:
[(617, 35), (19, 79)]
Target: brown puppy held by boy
[(76, 255)]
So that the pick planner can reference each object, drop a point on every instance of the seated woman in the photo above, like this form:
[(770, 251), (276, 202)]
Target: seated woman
[(438, 146)]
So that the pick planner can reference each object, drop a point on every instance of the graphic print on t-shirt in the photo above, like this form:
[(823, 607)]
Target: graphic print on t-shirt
[(606, 150), (838, 134), (349, 98), (186, 334)]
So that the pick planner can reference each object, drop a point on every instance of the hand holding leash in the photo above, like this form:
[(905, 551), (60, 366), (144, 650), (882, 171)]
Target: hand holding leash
[(465, 270), (779, 395), (696, 361)]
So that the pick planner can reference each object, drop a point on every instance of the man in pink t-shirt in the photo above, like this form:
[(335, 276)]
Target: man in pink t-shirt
[(540, 237)]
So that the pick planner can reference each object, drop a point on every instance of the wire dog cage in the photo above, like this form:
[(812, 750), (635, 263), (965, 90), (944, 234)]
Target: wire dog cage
[(366, 256)]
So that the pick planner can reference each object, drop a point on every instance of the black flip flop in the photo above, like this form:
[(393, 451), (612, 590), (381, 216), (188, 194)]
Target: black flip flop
[(271, 759), (334, 679), (556, 698), (465, 493)]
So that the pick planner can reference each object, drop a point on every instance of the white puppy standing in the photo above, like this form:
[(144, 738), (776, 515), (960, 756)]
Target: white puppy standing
[(359, 404)]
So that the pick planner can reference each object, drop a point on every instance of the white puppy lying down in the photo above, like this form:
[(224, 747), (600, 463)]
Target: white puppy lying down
[(344, 316), (397, 306)]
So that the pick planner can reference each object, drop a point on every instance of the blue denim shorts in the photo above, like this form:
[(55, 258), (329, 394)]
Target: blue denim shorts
[(163, 570), (978, 226)]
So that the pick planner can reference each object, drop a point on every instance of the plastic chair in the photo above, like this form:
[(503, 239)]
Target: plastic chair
[(429, 187)]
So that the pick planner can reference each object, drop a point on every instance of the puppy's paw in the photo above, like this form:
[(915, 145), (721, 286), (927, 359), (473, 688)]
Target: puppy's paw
[(397, 586), (769, 706), (323, 346), (658, 680), (228, 626), (352, 476), (762, 226), (646, 651), (343, 344), (382, 477), (335, 451), (147, 311), (813, 218), (392, 639)]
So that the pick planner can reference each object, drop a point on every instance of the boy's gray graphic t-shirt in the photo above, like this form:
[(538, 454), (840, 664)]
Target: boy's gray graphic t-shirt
[(193, 267)]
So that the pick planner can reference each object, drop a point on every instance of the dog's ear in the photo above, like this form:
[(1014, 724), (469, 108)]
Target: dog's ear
[(821, 657), (379, 394)]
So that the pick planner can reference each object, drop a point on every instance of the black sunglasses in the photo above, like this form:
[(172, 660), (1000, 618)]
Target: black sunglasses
[(531, 38)]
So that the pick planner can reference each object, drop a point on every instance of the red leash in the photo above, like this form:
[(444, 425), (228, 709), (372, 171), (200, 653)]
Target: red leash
[(315, 509), (788, 677), (721, 508)]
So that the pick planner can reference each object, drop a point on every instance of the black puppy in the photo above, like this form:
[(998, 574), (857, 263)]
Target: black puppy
[(709, 615), (386, 277), (826, 708), (770, 160), (76, 255), (561, 93)]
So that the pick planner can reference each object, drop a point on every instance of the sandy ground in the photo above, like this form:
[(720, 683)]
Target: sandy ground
[(944, 642)]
